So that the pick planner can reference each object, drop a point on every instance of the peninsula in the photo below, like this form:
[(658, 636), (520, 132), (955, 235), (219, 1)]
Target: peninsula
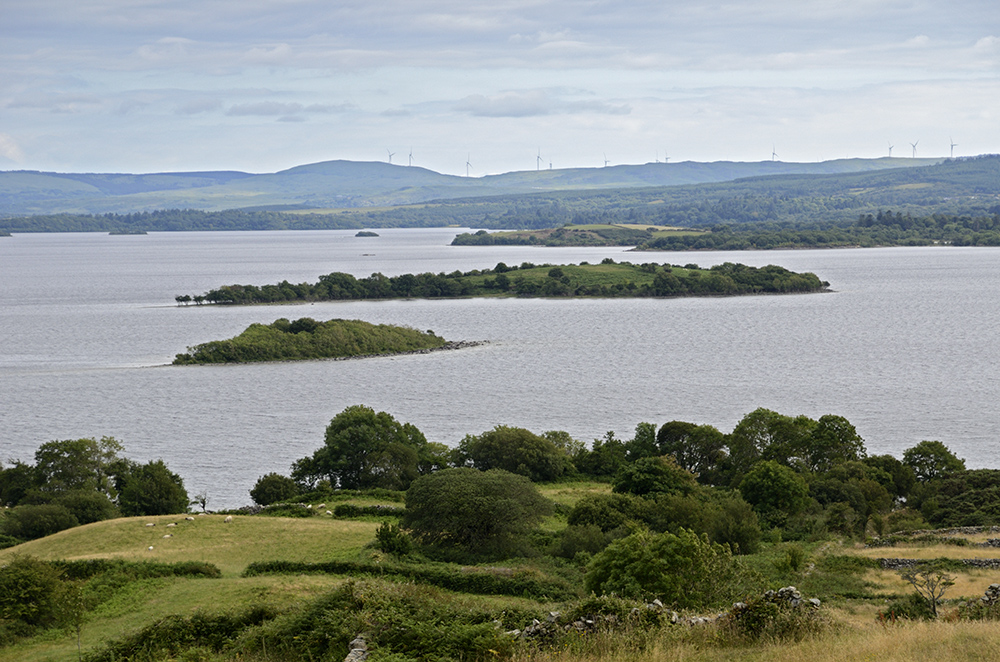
[(607, 279), (307, 338)]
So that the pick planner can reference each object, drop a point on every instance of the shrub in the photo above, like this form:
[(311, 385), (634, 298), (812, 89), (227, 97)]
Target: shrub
[(272, 488), (911, 608), (31, 522), (391, 539), (775, 616), (684, 570), (29, 591)]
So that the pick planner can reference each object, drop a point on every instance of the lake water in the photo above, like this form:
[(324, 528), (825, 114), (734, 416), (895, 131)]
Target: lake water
[(906, 348)]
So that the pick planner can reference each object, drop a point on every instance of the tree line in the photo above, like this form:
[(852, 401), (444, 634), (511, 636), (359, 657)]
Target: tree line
[(79, 481), (608, 279)]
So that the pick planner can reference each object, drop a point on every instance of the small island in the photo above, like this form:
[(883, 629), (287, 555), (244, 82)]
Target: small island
[(366, 233), (607, 279), (307, 338), (576, 235), (128, 231)]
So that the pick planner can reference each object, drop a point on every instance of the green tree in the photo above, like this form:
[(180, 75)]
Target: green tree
[(683, 570), (76, 464), (273, 488), (365, 449), (833, 440), (697, 448), (515, 450), (605, 457), (15, 482), (29, 591), (152, 489), (931, 460), (767, 435), (487, 512), (654, 475), (774, 491), (29, 522), (643, 444)]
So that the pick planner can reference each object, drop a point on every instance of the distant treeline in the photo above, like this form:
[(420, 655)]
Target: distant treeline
[(957, 187), (608, 279)]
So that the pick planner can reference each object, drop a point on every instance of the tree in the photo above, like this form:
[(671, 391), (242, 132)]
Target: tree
[(774, 491), (515, 450), (931, 460), (931, 583), (697, 448), (15, 482), (833, 440), (29, 522), (152, 489), (605, 457), (683, 570), (29, 591), (654, 475), (273, 488), (365, 449), (767, 435), (486, 512), (643, 444), (74, 464)]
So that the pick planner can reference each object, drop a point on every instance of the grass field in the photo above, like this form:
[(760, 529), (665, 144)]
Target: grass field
[(854, 633)]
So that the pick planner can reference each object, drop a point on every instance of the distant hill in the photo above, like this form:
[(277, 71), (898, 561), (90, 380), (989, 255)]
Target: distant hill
[(349, 184)]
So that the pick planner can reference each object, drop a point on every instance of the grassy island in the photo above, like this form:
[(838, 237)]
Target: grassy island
[(308, 339), (607, 279), (576, 235)]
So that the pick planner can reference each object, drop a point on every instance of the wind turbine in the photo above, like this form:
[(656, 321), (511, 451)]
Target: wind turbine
[(774, 155), (890, 148), (666, 159), (914, 146), (467, 164), (538, 160), (953, 146), (391, 154), (606, 162), (410, 162)]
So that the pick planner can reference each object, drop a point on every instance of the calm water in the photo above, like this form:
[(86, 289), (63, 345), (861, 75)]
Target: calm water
[(906, 349)]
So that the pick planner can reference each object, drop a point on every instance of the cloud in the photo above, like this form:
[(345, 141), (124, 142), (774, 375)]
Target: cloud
[(531, 103), (197, 106), (284, 109), (9, 149)]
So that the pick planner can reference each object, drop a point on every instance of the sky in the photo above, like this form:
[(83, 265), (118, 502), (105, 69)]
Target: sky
[(488, 86)]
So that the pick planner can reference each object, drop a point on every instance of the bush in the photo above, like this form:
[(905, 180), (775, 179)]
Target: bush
[(775, 616), (152, 489), (31, 522), (87, 506), (912, 608), (683, 570), (483, 512), (391, 539), (29, 591), (273, 488)]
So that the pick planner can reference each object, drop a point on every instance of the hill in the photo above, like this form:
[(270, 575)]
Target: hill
[(348, 184)]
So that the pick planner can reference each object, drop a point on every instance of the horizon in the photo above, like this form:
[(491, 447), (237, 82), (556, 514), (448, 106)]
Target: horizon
[(491, 87)]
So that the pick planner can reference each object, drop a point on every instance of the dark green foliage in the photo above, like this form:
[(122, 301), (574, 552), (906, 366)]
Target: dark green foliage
[(87, 506), (132, 570), (683, 570), (697, 448), (392, 539), (654, 475), (399, 621), (772, 618), (30, 591), (606, 511), (931, 460), (913, 607), (451, 577), (31, 522), (766, 435), (273, 488), (901, 479), (152, 489), (171, 635), (965, 498), (364, 450), (775, 491), (604, 459), (515, 450), (308, 339), (77, 464), (350, 510), (483, 512), (587, 539), (15, 482)]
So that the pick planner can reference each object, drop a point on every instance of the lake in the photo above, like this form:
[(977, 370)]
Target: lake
[(905, 348)]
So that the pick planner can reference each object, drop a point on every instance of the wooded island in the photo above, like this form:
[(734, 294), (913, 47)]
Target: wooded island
[(607, 279), (308, 339)]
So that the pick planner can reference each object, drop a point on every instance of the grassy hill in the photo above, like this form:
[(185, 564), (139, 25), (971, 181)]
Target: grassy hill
[(845, 576), (347, 184)]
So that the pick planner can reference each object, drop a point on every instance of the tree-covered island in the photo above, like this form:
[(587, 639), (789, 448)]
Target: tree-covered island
[(607, 279), (306, 338)]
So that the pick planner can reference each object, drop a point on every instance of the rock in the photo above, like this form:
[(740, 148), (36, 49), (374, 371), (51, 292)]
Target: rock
[(359, 650)]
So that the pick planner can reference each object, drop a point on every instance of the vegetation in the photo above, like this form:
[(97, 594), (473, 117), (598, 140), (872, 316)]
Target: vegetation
[(486, 563), (608, 279), (308, 339)]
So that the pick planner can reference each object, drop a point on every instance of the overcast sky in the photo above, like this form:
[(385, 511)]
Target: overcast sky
[(259, 86)]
